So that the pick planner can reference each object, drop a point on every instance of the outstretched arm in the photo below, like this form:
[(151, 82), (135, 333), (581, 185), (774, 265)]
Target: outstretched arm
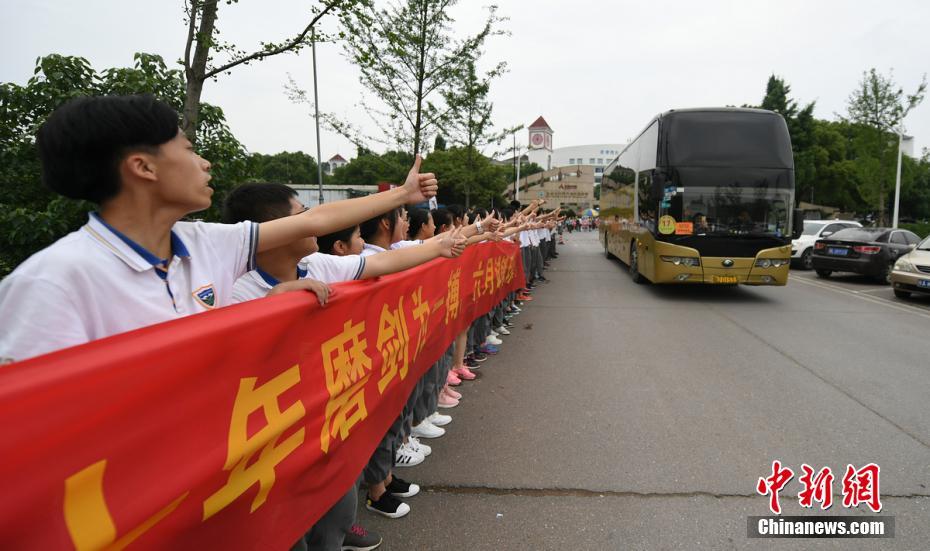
[(388, 262), (337, 215)]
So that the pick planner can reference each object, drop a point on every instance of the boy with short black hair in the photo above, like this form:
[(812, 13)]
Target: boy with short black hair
[(134, 263)]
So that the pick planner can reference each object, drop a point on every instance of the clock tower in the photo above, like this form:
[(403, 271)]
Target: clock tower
[(540, 135)]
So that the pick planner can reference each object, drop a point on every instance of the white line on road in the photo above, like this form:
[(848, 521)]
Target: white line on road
[(858, 294)]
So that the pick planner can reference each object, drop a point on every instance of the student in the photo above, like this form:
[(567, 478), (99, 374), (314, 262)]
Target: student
[(134, 263), (279, 270)]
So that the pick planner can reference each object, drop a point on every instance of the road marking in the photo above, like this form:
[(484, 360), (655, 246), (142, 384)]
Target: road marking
[(917, 311)]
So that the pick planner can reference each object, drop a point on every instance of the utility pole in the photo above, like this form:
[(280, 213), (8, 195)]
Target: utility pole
[(897, 180), (316, 117)]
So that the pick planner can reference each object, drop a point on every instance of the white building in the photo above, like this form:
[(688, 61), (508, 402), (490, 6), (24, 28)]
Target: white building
[(542, 153), (334, 163)]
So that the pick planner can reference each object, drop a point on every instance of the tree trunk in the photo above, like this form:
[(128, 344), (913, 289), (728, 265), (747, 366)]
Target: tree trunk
[(195, 72), (421, 76)]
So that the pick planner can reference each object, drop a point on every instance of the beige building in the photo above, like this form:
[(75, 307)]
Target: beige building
[(568, 187)]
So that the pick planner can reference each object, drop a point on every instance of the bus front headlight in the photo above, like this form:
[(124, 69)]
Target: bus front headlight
[(682, 260), (771, 262)]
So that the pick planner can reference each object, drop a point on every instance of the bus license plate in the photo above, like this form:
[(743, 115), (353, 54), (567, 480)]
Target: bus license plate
[(725, 279), (837, 251), (925, 283)]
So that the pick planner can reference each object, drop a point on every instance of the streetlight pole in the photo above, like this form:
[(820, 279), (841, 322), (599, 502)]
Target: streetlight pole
[(316, 118), (897, 180)]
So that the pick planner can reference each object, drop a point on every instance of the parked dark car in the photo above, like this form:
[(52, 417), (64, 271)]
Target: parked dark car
[(867, 251)]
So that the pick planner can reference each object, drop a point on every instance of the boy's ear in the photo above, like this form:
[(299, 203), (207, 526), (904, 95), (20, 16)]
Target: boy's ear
[(140, 165), (340, 248)]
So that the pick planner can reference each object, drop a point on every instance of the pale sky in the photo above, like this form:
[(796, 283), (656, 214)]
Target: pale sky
[(597, 71)]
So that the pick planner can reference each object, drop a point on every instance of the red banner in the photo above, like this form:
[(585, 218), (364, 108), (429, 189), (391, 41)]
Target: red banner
[(235, 428)]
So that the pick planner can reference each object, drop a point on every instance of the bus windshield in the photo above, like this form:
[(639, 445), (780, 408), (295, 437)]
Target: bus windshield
[(729, 139), (736, 211)]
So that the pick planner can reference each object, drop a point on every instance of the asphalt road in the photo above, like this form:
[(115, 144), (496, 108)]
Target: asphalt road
[(620, 416)]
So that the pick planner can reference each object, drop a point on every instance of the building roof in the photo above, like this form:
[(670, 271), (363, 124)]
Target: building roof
[(540, 123), (338, 157)]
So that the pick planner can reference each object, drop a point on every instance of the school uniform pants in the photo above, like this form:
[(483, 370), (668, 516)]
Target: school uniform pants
[(329, 532)]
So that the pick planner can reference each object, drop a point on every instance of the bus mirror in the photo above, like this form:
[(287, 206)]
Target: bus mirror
[(797, 227)]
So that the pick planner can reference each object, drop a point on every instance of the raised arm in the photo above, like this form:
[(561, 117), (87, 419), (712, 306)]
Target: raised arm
[(337, 215), (388, 262)]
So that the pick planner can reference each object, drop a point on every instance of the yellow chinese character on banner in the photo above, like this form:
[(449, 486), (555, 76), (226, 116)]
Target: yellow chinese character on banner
[(393, 340), (500, 267), (478, 274), (347, 368), (421, 311), (511, 269), (489, 277), (252, 459), (452, 295)]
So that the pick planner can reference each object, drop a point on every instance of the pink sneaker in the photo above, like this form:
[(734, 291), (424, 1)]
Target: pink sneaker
[(464, 373), (452, 379), (446, 401), (452, 394)]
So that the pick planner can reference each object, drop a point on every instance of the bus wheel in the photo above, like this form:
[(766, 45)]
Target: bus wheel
[(634, 265)]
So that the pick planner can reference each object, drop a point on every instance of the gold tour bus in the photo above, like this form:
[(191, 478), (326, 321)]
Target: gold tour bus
[(703, 196)]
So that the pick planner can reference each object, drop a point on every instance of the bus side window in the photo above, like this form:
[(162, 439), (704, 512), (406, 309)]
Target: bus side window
[(647, 202)]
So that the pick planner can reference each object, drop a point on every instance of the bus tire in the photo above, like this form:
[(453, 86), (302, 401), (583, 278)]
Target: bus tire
[(634, 265)]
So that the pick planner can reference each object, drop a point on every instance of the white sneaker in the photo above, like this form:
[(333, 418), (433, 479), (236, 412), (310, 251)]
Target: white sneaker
[(418, 447), (503, 330), (406, 457), (439, 419), (493, 340), (427, 430), (493, 333)]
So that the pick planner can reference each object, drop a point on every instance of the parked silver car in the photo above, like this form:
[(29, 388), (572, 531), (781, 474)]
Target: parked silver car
[(911, 272)]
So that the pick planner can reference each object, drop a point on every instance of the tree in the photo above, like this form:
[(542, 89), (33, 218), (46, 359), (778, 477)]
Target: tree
[(407, 56), (296, 168), (800, 124), (439, 144), (468, 174), (880, 105), (369, 169), (469, 117), (33, 217), (203, 43)]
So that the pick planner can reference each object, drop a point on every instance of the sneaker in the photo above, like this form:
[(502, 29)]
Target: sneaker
[(493, 333), (453, 394), (508, 325), (491, 339), (452, 379), (524, 298), (502, 330), (439, 419), (470, 363), (359, 539), (418, 447), (407, 457), (464, 373), (427, 430), (478, 357), (447, 401), (401, 488), (387, 505), (488, 349)]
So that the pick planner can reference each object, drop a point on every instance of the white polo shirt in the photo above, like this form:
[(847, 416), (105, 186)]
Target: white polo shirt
[(96, 282), (405, 244), (524, 239), (327, 268), (331, 268)]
